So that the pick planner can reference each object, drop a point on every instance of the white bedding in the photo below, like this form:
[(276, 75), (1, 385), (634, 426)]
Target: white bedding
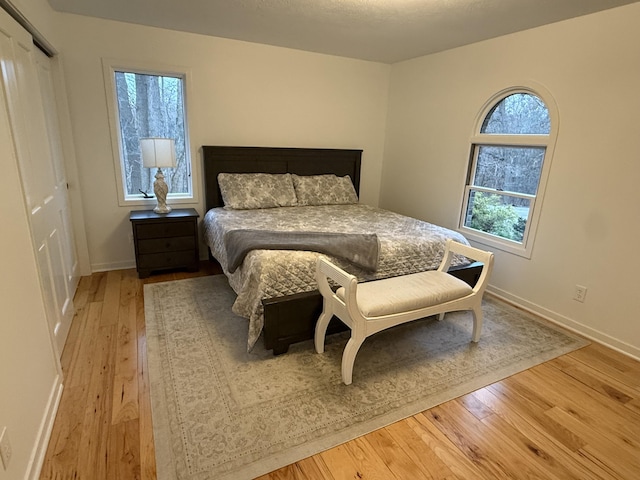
[(407, 246)]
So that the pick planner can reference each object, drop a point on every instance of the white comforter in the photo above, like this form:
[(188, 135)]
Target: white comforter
[(407, 246)]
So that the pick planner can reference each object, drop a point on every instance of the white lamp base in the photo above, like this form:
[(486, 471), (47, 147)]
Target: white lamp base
[(165, 209), (160, 189)]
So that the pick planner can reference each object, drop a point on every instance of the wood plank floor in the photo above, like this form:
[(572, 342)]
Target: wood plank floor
[(575, 417)]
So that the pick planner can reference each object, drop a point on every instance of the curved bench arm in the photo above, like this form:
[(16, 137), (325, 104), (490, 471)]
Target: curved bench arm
[(453, 247)]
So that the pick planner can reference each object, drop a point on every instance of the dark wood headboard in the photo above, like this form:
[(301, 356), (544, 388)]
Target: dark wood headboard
[(301, 161)]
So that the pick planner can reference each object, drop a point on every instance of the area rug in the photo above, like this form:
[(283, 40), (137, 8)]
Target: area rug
[(220, 412)]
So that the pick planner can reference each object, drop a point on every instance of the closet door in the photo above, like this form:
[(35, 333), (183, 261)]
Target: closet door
[(44, 185), (71, 268)]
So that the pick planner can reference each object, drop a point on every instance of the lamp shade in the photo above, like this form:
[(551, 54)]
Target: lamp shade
[(158, 152)]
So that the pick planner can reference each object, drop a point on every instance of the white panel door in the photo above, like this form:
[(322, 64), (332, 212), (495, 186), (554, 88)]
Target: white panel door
[(70, 270), (36, 139)]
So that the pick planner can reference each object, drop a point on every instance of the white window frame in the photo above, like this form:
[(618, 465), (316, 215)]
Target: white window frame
[(109, 67), (477, 140)]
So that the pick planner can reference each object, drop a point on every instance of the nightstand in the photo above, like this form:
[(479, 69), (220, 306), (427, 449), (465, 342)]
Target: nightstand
[(165, 241)]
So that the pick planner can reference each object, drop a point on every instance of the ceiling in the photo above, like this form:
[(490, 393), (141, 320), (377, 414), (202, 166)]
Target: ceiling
[(385, 31)]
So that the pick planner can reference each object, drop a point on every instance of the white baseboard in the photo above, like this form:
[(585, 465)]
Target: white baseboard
[(46, 428), (106, 267), (568, 323)]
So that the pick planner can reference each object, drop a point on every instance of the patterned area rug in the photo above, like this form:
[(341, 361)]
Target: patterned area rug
[(220, 412)]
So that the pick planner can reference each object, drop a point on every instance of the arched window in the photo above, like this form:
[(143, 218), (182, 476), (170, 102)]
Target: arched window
[(510, 157)]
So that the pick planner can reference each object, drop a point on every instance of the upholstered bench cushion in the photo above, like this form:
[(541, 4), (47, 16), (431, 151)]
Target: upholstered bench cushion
[(407, 293)]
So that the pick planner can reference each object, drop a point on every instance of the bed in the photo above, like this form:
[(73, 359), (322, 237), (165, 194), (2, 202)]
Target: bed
[(276, 288)]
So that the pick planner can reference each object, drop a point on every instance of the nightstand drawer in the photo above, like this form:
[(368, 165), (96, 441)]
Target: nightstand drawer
[(165, 229), (153, 261), (169, 244)]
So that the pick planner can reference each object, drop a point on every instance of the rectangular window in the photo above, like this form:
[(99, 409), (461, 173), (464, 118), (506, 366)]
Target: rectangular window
[(149, 104), (502, 191)]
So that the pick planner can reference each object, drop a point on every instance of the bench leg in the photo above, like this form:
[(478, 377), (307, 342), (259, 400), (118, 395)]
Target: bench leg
[(477, 323), (321, 327), (349, 357)]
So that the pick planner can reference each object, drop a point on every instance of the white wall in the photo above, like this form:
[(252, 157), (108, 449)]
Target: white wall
[(590, 226), (241, 94), (41, 16)]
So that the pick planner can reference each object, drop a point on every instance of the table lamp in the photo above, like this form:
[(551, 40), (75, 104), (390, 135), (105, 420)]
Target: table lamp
[(159, 153)]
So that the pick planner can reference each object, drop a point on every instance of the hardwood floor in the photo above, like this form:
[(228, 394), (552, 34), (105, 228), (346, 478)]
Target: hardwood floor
[(575, 417)]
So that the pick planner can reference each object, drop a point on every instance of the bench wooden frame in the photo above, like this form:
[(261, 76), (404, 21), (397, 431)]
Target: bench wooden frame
[(348, 306)]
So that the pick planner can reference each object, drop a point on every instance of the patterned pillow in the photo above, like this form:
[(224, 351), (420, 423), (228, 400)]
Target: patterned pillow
[(324, 190), (244, 191)]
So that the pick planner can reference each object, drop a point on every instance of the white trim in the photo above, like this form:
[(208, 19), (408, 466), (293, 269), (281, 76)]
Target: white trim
[(495, 241), (508, 140), (526, 196), (524, 249), (39, 451), (109, 66), (107, 267), (566, 322)]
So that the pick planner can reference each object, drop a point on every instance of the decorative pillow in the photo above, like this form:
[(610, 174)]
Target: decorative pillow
[(244, 191), (324, 190)]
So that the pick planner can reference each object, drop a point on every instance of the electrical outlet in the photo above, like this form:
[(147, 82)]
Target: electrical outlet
[(5, 448), (580, 293)]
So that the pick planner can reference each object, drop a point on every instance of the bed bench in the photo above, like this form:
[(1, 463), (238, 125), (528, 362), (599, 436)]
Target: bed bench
[(370, 307)]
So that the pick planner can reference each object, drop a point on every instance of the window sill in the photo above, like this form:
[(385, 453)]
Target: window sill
[(152, 202), (493, 241)]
